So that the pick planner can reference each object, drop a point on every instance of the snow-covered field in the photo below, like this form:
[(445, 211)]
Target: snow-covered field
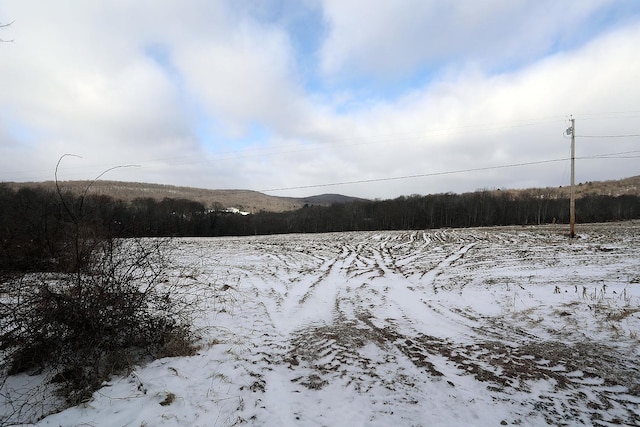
[(483, 327)]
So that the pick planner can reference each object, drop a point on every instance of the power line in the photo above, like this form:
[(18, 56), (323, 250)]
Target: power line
[(303, 145), (395, 178), (608, 136), (362, 140), (611, 155), (609, 115), (457, 171)]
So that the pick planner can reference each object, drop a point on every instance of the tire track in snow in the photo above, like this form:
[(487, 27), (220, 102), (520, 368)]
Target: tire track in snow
[(313, 299), (359, 328), (431, 275)]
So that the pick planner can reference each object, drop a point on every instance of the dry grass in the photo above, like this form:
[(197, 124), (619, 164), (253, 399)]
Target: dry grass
[(618, 315), (168, 400)]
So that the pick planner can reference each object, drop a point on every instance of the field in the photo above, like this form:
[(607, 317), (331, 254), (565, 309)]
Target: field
[(487, 326)]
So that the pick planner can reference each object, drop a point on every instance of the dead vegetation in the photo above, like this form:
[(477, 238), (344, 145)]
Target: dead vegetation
[(111, 305)]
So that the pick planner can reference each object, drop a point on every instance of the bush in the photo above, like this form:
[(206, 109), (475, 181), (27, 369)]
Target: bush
[(108, 304), (86, 326)]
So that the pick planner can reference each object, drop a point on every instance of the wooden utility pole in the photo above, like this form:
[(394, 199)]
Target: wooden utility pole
[(572, 202)]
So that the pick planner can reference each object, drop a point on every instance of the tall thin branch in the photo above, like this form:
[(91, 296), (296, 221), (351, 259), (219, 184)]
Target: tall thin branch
[(76, 214), (59, 191), (84, 193)]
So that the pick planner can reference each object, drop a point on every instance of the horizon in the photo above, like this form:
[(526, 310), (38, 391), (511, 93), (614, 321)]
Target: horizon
[(307, 196), (289, 98)]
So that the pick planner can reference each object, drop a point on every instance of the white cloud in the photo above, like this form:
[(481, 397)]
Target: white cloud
[(174, 86), (391, 39), (244, 78), (84, 87), (472, 120)]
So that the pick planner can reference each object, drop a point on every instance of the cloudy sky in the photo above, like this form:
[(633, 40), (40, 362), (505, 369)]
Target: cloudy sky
[(370, 98)]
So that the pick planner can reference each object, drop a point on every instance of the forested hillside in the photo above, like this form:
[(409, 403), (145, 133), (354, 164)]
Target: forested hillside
[(254, 201), (245, 200)]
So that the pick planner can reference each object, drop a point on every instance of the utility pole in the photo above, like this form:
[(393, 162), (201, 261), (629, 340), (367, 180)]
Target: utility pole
[(572, 202)]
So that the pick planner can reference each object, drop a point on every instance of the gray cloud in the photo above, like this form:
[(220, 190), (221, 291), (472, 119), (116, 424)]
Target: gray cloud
[(218, 95)]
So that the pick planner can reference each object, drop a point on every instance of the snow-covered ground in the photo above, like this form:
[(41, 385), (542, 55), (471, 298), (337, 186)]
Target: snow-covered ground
[(491, 326)]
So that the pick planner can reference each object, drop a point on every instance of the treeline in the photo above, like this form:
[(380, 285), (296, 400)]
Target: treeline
[(32, 220), (484, 208), (35, 224)]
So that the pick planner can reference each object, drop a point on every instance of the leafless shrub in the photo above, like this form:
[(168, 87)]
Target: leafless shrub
[(115, 314), (114, 306)]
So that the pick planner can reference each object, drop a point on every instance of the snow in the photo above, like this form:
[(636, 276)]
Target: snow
[(492, 326)]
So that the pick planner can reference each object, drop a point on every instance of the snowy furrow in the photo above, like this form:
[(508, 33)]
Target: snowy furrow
[(492, 326)]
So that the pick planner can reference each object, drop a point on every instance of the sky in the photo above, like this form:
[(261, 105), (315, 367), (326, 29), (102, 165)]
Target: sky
[(368, 98)]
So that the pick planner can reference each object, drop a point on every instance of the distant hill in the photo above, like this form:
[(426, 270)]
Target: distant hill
[(626, 186), (253, 201), (245, 200)]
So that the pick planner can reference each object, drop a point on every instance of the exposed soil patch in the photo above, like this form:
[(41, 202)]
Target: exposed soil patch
[(614, 378)]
